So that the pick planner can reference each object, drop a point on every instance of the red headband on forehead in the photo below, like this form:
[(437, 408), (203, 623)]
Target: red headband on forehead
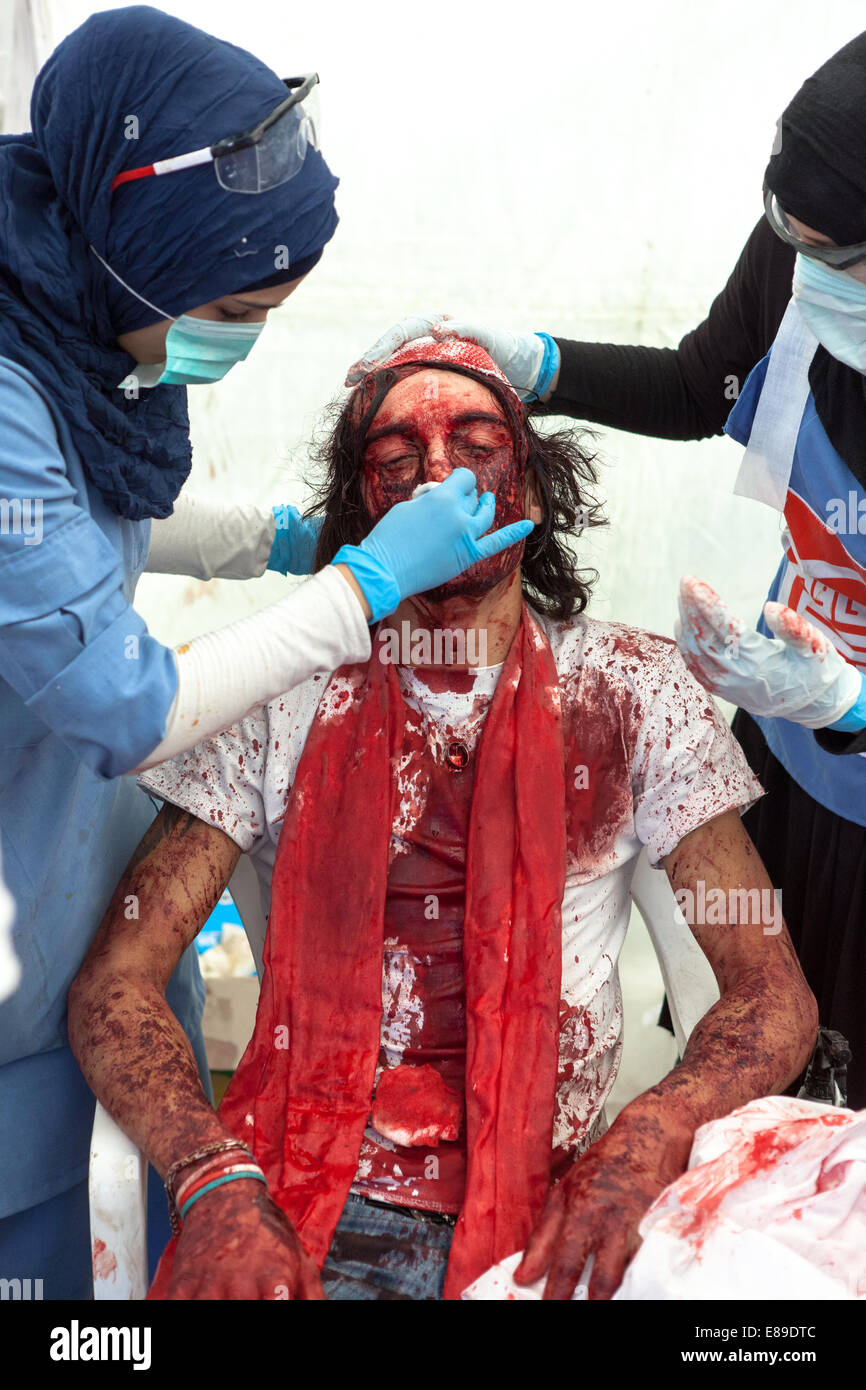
[(453, 352)]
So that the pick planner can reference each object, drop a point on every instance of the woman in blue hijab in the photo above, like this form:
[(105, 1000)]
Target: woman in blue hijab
[(142, 244)]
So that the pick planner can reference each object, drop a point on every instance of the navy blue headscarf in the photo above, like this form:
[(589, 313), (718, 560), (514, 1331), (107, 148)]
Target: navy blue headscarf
[(179, 240)]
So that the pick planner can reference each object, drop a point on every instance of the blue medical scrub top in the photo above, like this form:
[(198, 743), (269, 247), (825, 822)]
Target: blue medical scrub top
[(84, 695), (818, 476)]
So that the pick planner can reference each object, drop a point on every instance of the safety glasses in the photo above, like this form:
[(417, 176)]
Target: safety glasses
[(258, 159), (839, 257)]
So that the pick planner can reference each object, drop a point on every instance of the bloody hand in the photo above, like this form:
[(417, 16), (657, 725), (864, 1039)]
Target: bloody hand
[(237, 1244), (596, 1209)]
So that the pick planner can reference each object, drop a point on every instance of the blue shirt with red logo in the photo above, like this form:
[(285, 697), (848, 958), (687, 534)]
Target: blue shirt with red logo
[(822, 575)]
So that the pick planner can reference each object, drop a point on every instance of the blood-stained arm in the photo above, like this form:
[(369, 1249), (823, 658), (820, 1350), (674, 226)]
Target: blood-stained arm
[(754, 1041), (138, 1062), (133, 1052)]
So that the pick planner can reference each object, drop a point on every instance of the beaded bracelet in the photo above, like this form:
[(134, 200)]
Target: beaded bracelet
[(233, 1176), (199, 1181), (222, 1146), (212, 1166)]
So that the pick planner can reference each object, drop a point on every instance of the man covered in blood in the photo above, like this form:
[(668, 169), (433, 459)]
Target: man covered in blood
[(449, 850)]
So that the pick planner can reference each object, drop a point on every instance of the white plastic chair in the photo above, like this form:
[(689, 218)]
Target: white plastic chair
[(689, 982), (118, 1171), (118, 1211)]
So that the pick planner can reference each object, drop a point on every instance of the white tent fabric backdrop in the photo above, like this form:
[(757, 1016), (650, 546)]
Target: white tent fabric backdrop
[(594, 173)]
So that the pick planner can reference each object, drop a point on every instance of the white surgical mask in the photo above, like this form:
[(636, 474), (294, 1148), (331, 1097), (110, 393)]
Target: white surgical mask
[(833, 305)]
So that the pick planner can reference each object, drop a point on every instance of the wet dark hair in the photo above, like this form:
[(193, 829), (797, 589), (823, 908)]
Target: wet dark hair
[(563, 471)]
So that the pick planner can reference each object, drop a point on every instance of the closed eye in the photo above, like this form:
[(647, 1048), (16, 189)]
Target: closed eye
[(400, 461), (398, 456)]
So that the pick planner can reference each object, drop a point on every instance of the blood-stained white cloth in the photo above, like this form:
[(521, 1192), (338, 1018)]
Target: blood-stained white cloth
[(773, 1206), (649, 758), (497, 1284)]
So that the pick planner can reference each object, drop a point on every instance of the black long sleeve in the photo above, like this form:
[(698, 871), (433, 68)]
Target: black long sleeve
[(832, 741), (685, 392)]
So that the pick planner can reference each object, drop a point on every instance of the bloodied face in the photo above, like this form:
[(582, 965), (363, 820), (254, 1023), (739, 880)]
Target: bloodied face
[(429, 424)]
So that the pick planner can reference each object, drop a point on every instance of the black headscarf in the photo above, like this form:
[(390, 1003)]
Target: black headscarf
[(818, 174)]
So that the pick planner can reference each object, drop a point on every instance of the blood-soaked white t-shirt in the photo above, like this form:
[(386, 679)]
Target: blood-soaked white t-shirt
[(649, 758)]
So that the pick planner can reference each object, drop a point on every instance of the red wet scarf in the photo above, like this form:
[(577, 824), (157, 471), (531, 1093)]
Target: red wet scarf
[(303, 1107)]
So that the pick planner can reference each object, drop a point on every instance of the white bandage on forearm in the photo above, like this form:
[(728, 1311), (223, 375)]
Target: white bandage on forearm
[(211, 540), (225, 674)]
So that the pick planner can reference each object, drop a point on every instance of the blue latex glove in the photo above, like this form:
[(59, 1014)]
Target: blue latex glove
[(423, 543), (295, 541), (855, 719)]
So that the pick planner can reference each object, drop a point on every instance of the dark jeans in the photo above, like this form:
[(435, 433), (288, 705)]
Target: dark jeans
[(378, 1254)]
